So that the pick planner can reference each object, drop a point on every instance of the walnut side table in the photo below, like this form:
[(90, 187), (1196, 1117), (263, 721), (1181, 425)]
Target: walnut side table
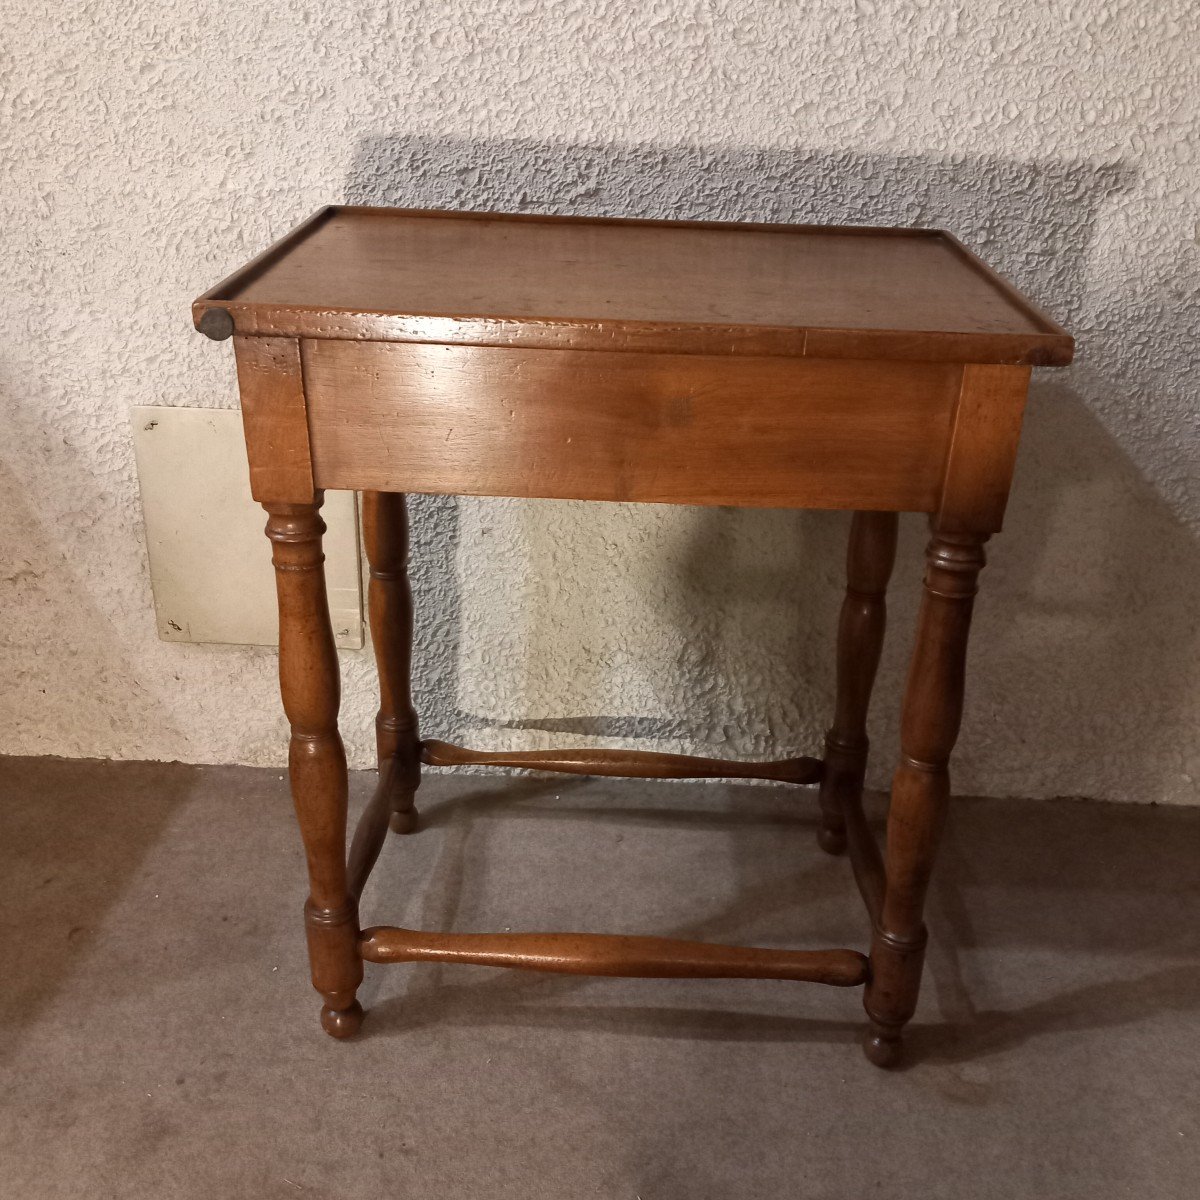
[(393, 351)]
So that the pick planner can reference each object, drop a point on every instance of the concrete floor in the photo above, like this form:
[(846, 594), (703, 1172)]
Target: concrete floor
[(158, 1037)]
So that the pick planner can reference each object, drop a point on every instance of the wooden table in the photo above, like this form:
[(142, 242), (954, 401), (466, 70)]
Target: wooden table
[(877, 370)]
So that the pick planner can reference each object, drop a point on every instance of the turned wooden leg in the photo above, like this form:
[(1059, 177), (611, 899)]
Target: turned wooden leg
[(933, 701), (389, 600), (869, 559), (308, 679)]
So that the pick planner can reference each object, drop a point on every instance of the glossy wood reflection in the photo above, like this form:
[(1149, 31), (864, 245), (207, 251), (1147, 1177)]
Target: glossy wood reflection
[(308, 681), (614, 955), (677, 429)]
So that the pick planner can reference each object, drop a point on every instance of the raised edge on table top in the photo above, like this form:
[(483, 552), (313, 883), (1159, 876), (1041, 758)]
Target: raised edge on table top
[(598, 283)]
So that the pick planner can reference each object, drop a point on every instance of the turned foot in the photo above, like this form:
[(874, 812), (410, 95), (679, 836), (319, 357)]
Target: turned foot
[(831, 839), (404, 821), (883, 1045), (342, 1022)]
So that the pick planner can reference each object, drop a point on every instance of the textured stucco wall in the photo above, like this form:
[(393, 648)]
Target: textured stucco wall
[(150, 148)]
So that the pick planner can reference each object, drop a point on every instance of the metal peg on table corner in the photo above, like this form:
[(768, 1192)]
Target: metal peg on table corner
[(216, 323)]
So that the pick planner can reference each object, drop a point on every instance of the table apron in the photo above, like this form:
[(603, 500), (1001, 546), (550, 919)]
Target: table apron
[(595, 425)]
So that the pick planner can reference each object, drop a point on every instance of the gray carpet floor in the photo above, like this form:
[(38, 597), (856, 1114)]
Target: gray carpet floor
[(158, 1036)]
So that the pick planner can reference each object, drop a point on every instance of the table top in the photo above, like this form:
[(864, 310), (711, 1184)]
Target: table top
[(685, 287)]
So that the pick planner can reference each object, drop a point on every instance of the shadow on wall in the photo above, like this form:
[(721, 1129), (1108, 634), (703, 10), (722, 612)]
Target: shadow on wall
[(1082, 678)]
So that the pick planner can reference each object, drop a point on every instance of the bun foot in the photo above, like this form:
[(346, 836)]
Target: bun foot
[(883, 1047), (342, 1022), (832, 841), (403, 822)]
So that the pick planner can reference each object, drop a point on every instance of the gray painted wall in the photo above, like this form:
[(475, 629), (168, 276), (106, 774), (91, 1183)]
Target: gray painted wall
[(150, 149)]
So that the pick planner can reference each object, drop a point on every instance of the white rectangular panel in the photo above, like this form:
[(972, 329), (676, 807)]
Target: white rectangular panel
[(210, 563)]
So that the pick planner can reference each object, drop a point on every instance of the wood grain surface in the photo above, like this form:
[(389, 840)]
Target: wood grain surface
[(680, 429), (602, 284), (614, 955), (626, 764)]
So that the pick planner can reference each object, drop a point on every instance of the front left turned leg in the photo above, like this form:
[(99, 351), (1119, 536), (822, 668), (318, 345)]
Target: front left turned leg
[(933, 701), (310, 684)]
